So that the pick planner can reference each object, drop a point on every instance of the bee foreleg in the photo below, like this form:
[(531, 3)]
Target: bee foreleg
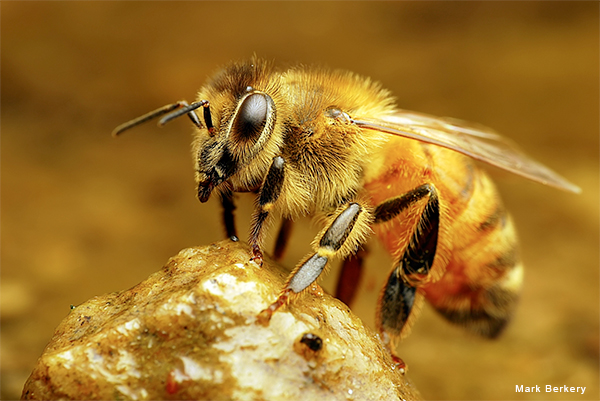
[(269, 192), (347, 230), (398, 296)]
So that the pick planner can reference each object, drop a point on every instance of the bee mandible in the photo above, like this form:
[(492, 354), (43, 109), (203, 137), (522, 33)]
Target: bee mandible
[(332, 144)]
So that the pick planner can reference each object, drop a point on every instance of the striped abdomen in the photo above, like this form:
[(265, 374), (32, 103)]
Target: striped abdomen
[(476, 274), (483, 277)]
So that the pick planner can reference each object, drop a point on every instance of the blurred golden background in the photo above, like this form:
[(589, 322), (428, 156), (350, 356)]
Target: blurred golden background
[(79, 208)]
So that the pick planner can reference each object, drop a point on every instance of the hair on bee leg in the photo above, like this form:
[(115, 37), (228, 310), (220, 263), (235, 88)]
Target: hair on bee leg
[(269, 193), (336, 234), (347, 229), (302, 277), (395, 306), (307, 273), (397, 300), (392, 207)]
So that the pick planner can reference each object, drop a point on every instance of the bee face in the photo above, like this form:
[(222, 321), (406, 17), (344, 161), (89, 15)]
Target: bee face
[(239, 138)]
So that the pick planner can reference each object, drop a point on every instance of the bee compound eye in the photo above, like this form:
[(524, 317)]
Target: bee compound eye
[(251, 117)]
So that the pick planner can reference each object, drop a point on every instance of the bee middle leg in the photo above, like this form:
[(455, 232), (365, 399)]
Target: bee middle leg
[(348, 228), (398, 296)]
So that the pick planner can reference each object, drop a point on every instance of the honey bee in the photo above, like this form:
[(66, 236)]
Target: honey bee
[(332, 144)]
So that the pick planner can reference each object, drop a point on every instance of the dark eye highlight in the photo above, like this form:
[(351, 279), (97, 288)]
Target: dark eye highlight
[(251, 117)]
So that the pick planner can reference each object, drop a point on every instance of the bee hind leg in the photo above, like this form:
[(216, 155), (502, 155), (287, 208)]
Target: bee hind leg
[(397, 308)]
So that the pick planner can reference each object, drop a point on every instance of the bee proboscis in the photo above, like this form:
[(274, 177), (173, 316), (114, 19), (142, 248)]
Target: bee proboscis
[(334, 145)]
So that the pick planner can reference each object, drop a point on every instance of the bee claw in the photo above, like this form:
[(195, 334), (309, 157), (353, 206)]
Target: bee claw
[(264, 317), (400, 365), (257, 255)]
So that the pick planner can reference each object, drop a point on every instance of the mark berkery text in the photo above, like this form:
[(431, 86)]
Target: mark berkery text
[(549, 389)]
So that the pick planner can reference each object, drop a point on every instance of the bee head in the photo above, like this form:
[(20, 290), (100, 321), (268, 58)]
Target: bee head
[(235, 143)]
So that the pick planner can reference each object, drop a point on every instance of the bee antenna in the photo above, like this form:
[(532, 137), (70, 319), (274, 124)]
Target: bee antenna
[(148, 116), (189, 110)]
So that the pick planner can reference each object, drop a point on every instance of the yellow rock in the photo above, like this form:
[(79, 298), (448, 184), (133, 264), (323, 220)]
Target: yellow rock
[(190, 332)]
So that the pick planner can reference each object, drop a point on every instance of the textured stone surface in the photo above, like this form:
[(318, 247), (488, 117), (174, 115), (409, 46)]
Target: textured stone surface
[(189, 332)]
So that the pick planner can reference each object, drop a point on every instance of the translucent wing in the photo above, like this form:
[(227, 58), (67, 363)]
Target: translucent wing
[(473, 140)]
